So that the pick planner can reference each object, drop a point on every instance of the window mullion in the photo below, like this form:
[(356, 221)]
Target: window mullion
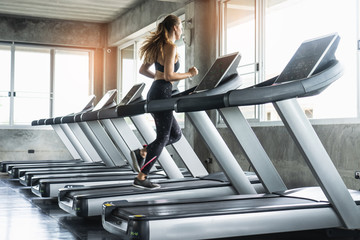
[(358, 58), (260, 50), (52, 81), (135, 57), (12, 85), (222, 27)]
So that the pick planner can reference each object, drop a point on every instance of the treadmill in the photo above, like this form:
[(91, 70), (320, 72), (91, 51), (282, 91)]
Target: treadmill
[(106, 147), (126, 140), (74, 148), (93, 161), (87, 201), (114, 172), (4, 165), (311, 70), (76, 140)]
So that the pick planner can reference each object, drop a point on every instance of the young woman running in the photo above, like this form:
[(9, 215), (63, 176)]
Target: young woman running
[(160, 49)]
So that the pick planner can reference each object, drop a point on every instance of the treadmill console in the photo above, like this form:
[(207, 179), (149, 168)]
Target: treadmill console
[(107, 100), (223, 67), (312, 56), (90, 104), (133, 94)]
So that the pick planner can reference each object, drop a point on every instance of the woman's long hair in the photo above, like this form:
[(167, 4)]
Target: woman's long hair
[(155, 42)]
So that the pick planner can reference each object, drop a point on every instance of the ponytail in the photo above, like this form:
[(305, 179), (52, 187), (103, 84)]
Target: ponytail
[(155, 42)]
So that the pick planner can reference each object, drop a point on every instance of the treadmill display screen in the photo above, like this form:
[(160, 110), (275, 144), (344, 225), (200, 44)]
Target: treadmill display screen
[(107, 99), (217, 72), (134, 93), (90, 103), (308, 58)]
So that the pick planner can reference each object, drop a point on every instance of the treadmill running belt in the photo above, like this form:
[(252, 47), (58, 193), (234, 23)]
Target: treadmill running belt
[(227, 206), (130, 190)]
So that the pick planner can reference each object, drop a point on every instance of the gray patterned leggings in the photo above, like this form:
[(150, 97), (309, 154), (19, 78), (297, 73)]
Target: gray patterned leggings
[(168, 130)]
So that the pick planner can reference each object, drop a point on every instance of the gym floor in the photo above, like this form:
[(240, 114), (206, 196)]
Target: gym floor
[(25, 216)]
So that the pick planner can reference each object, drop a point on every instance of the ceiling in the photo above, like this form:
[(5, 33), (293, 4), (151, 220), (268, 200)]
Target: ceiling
[(98, 11)]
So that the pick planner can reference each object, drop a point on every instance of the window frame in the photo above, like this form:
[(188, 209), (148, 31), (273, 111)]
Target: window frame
[(260, 24), (52, 49)]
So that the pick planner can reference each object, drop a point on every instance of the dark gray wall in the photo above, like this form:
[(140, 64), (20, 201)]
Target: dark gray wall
[(15, 143), (201, 53), (54, 32), (139, 18), (341, 141)]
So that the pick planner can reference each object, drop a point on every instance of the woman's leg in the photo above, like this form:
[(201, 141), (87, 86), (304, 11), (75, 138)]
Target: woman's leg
[(167, 131), (175, 135), (175, 132), (163, 123)]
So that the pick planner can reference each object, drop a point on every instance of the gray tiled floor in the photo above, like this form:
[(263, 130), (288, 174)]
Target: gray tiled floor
[(24, 216)]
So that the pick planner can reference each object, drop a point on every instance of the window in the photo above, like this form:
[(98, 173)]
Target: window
[(239, 36), (287, 27), (128, 68), (40, 82), (31, 84), (71, 69), (5, 75), (267, 34)]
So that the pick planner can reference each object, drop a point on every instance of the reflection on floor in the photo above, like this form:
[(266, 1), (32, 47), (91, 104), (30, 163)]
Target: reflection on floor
[(25, 216)]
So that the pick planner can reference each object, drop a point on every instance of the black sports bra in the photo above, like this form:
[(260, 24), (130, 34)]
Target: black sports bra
[(160, 67)]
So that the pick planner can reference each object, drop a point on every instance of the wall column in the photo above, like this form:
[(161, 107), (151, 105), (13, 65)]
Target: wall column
[(201, 53)]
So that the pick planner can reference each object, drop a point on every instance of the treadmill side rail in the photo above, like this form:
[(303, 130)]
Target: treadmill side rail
[(253, 149), (319, 161)]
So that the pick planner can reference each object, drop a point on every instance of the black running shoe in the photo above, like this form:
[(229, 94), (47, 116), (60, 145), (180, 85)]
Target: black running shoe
[(137, 159), (145, 184)]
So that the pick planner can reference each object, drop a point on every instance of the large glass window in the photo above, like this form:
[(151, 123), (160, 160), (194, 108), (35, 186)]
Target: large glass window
[(288, 23), (267, 34), (180, 117), (71, 69), (128, 68), (31, 84), (5, 76), (40, 82), (240, 36)]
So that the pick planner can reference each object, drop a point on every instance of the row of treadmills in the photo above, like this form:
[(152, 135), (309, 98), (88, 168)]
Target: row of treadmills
[(191, 203)]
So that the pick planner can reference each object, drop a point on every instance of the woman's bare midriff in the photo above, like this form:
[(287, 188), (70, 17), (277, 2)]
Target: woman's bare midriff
[(160, 76)]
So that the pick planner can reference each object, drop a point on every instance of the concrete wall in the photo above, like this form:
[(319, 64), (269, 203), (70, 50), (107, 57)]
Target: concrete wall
[(15, 143), (341, 141), (139, 18), (201, 53), (54, 32)]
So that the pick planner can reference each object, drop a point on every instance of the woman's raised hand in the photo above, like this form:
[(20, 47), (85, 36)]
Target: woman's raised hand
[(193, 71)]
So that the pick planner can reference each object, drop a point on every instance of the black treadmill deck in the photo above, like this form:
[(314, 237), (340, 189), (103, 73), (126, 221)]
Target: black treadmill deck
[(167, 209), (131, 190)]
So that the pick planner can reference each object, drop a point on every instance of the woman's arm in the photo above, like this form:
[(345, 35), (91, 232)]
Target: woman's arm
[(169, 61), (145, 70)]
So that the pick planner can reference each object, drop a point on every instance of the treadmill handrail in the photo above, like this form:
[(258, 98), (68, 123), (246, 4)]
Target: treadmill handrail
[(260, 94), (232, 82)]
